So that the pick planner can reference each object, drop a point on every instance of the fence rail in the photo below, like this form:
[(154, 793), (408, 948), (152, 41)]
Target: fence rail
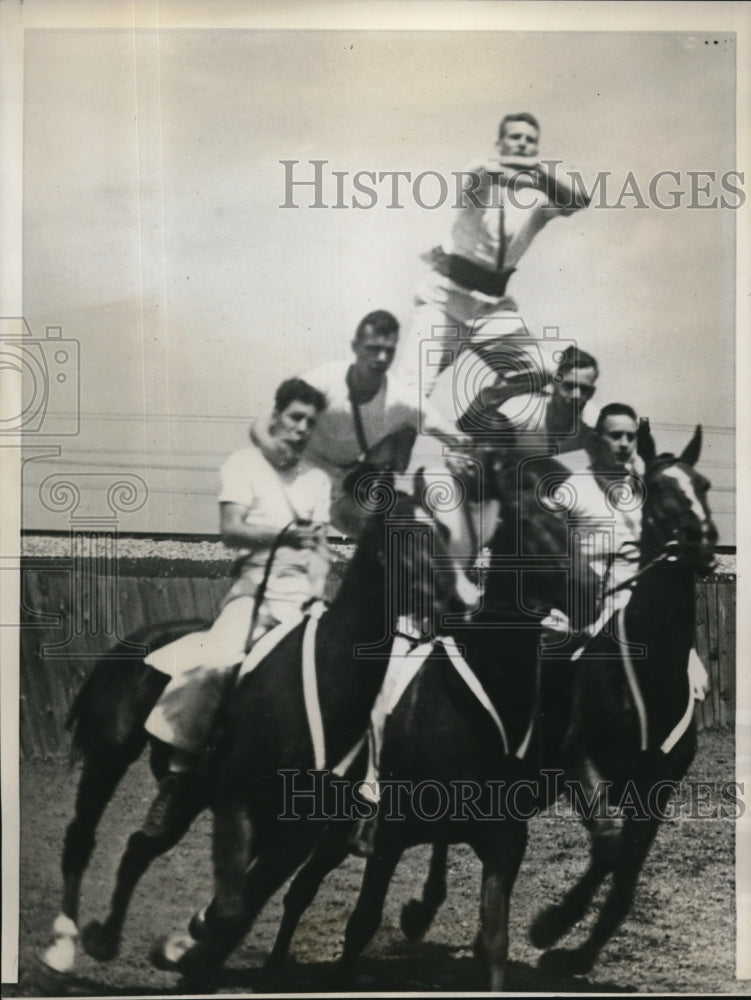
[(73, 612)]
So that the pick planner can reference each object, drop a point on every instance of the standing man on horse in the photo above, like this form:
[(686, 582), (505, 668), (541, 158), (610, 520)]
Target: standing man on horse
[(273, 508), (463, 297), (370, 417)]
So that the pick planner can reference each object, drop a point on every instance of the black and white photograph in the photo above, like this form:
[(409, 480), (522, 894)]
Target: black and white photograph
[(409, 340)]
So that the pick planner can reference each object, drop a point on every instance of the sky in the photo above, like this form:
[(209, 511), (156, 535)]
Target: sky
[(153, 231)]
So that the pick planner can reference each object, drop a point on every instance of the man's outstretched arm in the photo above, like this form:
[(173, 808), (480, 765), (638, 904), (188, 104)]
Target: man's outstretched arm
[(549, 176)]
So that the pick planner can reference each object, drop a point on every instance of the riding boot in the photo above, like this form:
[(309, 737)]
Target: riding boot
[(177, 790)]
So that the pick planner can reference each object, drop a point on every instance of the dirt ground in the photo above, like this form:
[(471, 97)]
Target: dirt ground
[(680, 936)]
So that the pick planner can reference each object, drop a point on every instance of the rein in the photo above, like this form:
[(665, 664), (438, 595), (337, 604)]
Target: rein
[(261, 592), (668, 552), (661, 557)]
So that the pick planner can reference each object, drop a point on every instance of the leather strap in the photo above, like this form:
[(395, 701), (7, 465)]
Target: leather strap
[(261, 592), (362, 442)]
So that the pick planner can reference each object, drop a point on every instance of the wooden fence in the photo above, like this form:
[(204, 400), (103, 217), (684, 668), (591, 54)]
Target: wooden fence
[(715, 643), (72, 612)]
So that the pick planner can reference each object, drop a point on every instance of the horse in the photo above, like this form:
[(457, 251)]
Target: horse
[(631, 734), (396, 571), (467, 723), (609, 721)]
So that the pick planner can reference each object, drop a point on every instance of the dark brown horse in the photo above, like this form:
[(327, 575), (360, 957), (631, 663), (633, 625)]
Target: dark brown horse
[(275, 719), (446, 715), (630, 733), (617, 719)]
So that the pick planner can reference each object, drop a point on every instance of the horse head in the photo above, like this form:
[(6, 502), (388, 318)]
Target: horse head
[(533, 531), (407, 546), (676, 518)]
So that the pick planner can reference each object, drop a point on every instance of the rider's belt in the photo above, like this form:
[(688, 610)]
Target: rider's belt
[(470, 275)]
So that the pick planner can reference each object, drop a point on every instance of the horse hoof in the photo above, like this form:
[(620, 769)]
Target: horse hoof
[(98, 942), (47, 980), (548, 926), (59, 958), (168, 952), (562, 963), (180, 953), (197, 925), (413, 920)]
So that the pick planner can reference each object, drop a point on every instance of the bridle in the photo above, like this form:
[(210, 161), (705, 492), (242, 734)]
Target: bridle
[(668, 554), (670, 544)]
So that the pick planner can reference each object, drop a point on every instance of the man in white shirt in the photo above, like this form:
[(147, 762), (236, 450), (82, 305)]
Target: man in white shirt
[(274, 508), (555, 418), (369, 413), (608, 493), (463, 298)]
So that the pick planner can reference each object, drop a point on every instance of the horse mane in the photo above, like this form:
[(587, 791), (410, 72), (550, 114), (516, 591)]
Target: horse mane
[(531, 531), (531, 525)]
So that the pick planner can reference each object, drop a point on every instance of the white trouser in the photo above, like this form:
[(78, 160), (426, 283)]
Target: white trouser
[(445, 319), (403, 666), (200, 665)]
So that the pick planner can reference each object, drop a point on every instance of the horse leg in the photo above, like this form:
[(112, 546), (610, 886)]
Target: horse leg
[(418, 914), (366, 917), (633, 845), (331, 850), (99, 779), (225, 926), (555, 920), (167, 822), (501, 858)]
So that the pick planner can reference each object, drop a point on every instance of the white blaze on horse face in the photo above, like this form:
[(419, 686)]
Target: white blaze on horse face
[(682, 478)]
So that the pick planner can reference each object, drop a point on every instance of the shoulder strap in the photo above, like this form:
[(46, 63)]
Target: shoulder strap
[(362, 442)]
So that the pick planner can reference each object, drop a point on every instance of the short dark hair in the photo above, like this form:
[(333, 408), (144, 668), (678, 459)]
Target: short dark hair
[(615, 410), (523, 116), (379, 321), (297, 390), (574, 357)]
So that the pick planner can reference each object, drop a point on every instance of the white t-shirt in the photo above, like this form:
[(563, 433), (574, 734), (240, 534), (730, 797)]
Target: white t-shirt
[(476, 232), (333, 444), (607, 522), (273, 498)]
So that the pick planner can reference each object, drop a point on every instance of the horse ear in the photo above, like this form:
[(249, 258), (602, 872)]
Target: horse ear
[(691, 452), (419, 484), (645, 443)]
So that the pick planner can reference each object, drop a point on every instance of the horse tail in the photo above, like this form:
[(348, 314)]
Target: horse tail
[(75, 721)]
